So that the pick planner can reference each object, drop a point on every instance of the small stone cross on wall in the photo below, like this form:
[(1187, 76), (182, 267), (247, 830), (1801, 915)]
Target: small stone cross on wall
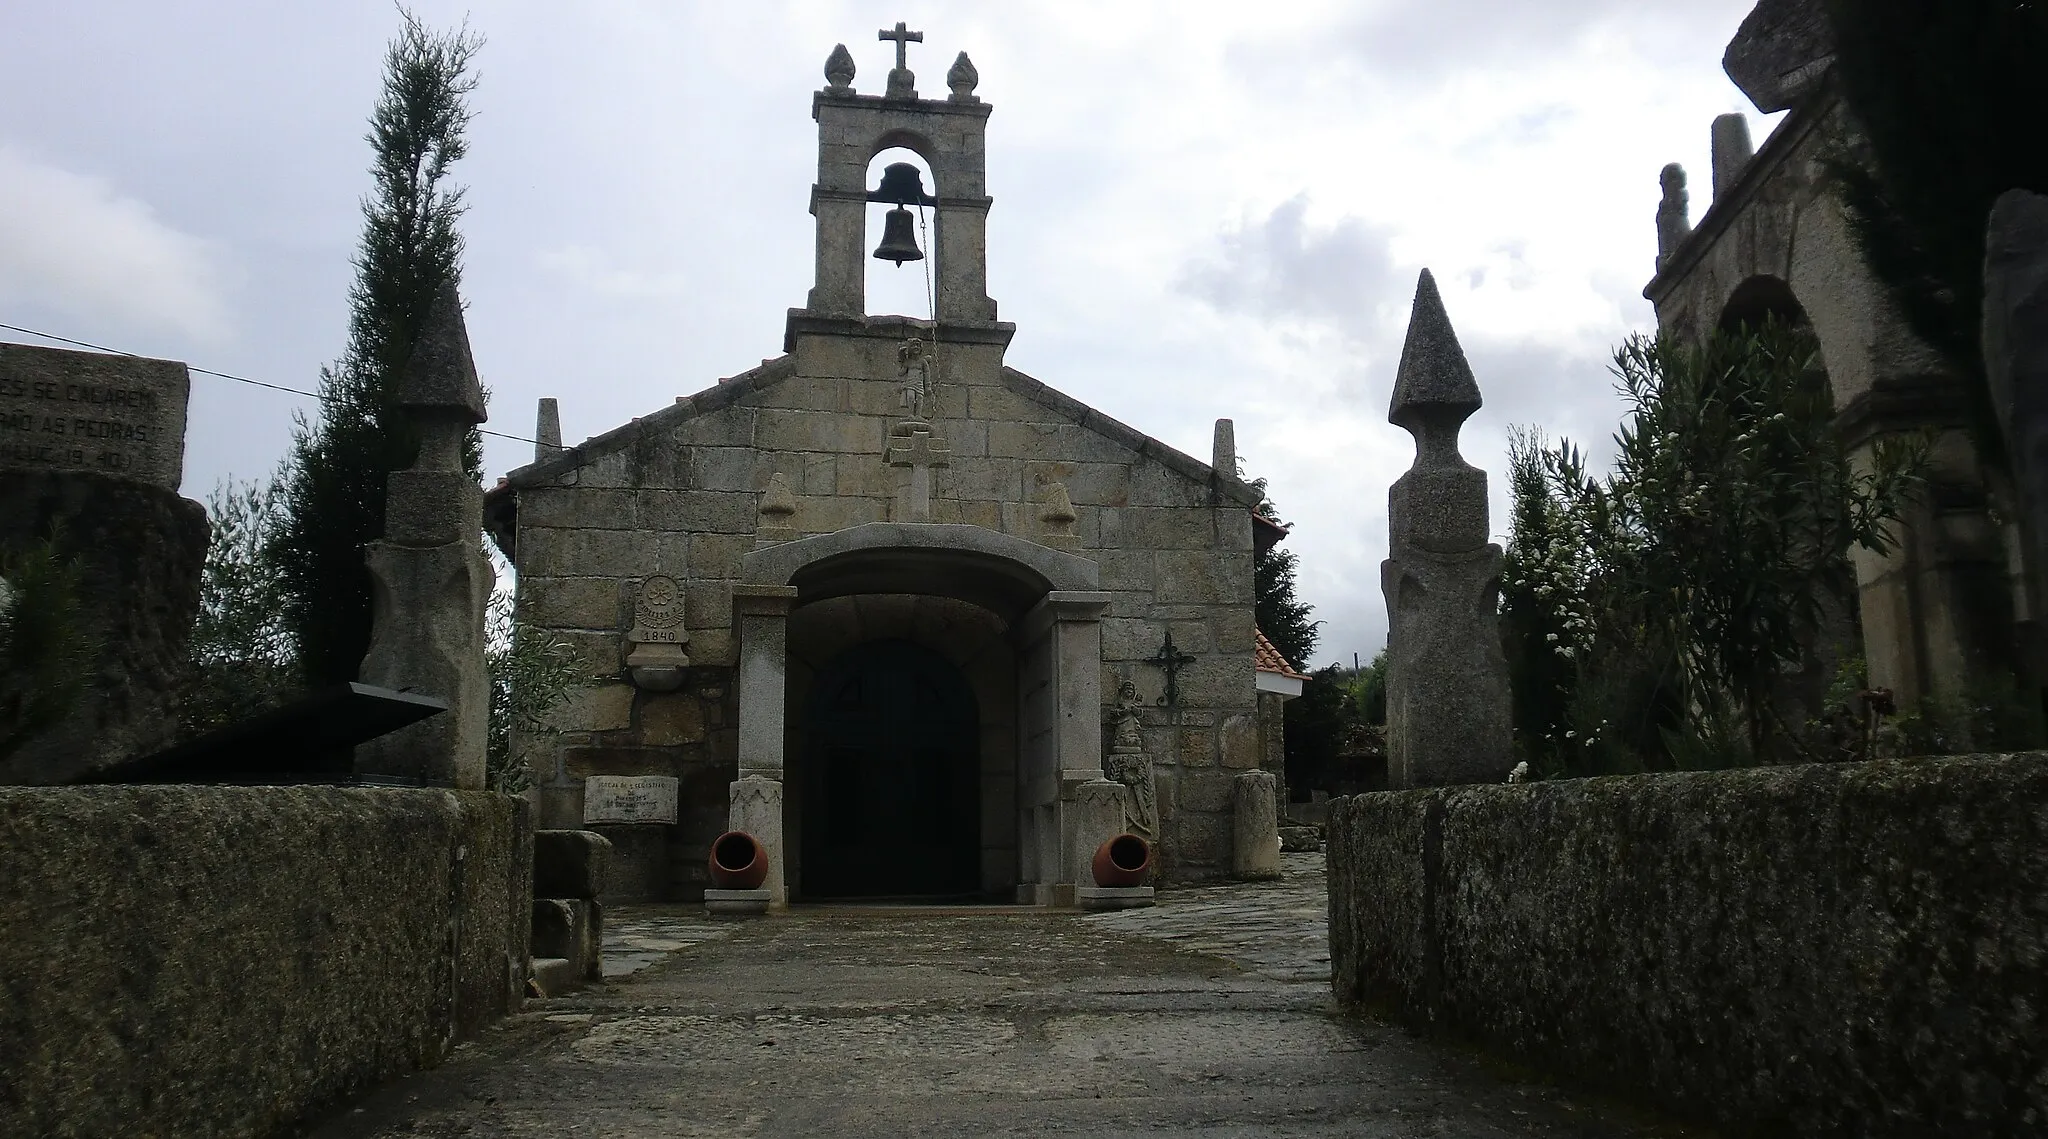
[(920, 452)]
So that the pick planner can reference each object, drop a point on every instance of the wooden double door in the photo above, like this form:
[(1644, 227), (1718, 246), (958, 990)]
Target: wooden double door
[(892, 791)]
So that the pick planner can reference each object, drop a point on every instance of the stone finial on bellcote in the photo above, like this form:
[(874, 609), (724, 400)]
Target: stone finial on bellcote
[(963, 78), (839, 70)]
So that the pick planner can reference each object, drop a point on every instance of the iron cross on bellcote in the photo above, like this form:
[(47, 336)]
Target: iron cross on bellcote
[(1170, 661)]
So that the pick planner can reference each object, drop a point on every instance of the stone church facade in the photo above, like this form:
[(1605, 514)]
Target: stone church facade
[(886, 602)]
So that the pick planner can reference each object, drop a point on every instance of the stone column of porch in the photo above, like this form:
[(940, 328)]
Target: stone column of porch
[(1090, 808), (761, 619)]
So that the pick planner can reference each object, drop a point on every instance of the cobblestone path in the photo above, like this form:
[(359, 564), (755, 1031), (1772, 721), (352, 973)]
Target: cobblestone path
[(1208, 1015), (1279, 930)]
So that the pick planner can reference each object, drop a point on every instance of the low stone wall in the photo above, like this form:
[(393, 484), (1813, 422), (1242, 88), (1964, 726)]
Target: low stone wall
[(223, 960), (1828, 950)]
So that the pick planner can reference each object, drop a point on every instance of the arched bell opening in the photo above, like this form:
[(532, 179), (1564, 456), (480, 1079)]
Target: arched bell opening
[(900, 233)]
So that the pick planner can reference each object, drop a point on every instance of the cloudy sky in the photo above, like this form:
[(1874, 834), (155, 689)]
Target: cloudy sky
[(1202, 209)]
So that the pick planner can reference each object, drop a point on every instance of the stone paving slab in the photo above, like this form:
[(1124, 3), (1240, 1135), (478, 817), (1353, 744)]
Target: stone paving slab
[(1203, 1016), (1277, 929)]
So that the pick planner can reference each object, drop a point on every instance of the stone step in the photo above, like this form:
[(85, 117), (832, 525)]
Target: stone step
[(554, 976)]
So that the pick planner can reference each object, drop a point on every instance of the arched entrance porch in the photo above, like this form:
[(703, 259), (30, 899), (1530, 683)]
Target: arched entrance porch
[(1038, 775)]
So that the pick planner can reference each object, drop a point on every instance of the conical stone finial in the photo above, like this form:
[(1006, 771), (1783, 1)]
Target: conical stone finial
[(1434, 381), (440, 375), (963, 78), (839, 70)]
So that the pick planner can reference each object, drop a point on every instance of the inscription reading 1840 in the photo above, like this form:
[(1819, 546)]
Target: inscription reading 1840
[(82, 411)]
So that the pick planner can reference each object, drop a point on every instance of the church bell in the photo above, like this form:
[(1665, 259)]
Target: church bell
[(899, 241), (903, 185)]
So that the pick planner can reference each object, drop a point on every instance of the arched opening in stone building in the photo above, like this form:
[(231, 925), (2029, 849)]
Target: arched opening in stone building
[(1757, 300), (901, 749), (901, 288), (1754, 303), (891, 783)]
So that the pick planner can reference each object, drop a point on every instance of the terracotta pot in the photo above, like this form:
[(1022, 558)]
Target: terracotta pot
[(738, 862), (1123, 861)]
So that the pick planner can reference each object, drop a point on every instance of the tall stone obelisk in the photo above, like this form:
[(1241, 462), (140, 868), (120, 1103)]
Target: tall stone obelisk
[(429, 577), (1447, 678)]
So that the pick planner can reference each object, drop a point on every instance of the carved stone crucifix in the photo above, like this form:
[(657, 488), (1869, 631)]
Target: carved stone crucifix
[(920, 452), (1171, 660), (904, 37)]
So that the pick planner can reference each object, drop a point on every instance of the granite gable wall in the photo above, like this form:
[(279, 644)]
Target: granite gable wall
[(679, 493), (1858, 949)]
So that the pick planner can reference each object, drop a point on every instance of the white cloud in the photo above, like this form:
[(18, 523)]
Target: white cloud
[(76, 245)]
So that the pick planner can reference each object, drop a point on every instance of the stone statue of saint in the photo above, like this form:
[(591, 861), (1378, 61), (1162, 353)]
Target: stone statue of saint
[(914, 361), (1128, 764)]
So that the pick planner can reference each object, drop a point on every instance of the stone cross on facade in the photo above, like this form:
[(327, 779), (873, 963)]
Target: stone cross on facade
[(1447, 679), (920, 452), (901, 80)]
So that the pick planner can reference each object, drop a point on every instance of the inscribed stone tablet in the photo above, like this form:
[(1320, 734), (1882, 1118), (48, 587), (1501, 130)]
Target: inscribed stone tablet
[(86, 411), (629, 799)]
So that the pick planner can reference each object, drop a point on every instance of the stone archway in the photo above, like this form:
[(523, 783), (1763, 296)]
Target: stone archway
[(1049, 609)]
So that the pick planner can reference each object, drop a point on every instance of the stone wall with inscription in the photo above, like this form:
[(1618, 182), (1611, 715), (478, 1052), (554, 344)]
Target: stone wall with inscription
[(92, 449), (84, 411)]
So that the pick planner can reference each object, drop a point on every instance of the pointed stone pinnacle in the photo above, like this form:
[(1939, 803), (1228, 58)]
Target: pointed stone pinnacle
[(1434, 376), (440, 375)]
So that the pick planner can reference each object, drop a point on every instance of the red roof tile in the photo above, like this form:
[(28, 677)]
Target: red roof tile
[(1270, 660)]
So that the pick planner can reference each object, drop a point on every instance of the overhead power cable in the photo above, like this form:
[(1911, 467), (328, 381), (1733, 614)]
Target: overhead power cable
[(221, 375)]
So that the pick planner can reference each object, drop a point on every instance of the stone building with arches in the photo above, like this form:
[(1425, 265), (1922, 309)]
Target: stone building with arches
[(876, 599), (1948, 608)]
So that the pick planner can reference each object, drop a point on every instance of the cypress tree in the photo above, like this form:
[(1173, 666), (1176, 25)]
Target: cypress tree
[(335, 473), (1950, 96), (1280, 614)]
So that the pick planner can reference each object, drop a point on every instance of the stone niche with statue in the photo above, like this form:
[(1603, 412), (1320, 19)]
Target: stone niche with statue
[(92, 451)]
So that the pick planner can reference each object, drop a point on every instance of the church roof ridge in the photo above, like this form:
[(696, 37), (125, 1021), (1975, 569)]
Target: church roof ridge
[(729, 391), (1118, 431)]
